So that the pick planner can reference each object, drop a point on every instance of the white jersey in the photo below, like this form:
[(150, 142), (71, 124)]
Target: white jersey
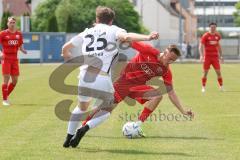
[(99, 41)]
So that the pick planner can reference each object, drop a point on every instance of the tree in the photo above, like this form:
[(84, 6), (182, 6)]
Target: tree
[(126, 16), (5, 19), (76, 15), (43, 14), (69, 24), (237, 14), (52, 24), (82, 13)]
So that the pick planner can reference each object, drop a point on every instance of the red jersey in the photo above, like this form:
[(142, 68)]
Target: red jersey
[(211, 43), (145, 65), (10, 43)]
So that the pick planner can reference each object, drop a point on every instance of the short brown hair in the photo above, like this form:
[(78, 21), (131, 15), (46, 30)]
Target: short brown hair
[(104, 14), (11, 18), (173, 48), (213, 23)]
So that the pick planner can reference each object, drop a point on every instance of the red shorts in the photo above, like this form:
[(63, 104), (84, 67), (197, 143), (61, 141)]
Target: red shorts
[(214, 61), (10, 67), (140, 92)]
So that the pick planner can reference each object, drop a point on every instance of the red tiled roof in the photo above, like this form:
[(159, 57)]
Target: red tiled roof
[(16, 7)]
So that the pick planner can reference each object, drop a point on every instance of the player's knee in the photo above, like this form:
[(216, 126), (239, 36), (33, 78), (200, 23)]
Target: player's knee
[(6, 78)]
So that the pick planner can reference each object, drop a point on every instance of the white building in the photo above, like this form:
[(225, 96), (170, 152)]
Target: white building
[(158, 16), (34, 4), (219, 11)]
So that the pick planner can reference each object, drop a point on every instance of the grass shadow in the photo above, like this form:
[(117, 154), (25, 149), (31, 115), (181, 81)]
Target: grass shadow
[(32, 104), (133, 152), (160, 137), (183, 138)]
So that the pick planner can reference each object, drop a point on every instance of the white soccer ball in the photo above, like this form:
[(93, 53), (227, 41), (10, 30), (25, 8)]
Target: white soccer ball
[(132, 130)]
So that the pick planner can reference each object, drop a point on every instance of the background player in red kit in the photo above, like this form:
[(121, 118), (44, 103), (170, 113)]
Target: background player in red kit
[(147, 64), (212, 54), (11, 41)]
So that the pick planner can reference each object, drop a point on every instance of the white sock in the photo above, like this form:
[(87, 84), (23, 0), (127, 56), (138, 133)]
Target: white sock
[(98, 118), (74, 122)]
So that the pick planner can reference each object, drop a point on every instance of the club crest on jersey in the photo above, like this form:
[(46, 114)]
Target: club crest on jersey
[(147, 69), (17, 36)]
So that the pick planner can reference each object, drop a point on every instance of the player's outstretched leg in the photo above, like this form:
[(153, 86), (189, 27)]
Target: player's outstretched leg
[(98, 118), (149, 107), (72, 126), (78, 136), (66, 143)]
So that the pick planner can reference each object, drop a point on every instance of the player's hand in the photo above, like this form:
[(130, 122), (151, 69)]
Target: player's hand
[(24, 51), (188, 113), (66, 56), (221, 59), (153, 36)]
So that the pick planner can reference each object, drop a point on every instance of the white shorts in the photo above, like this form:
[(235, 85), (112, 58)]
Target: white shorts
[(101, 83)]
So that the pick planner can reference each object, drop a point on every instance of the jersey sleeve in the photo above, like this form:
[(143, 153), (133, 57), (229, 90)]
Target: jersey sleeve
[(118, 30), (77, 40), (1, 35), (167, 78), (203, 39), (21, 39), (220, 37), (144, 48)]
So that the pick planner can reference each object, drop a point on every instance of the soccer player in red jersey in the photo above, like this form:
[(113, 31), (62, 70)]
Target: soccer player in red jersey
[(11, 41), (147, 64), (212, 54)]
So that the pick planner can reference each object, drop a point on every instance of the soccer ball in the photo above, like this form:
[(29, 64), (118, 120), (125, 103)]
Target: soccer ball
[(132, 130)]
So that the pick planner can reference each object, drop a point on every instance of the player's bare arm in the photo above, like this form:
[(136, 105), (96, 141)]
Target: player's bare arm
[(201, 48), (220, 53), (66, 54), (22, 49), (0, 54), (123, 36), (175, 100)]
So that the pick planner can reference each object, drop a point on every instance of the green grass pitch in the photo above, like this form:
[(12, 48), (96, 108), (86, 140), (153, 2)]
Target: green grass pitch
[(30, 130)]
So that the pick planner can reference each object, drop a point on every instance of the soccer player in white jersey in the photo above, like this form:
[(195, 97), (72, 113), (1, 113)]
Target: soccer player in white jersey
[(94, 42)]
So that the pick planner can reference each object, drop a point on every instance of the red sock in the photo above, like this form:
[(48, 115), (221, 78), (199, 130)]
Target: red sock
[(204, 81), (11, 87), (145, 114), (5, 91), (220, 81)]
